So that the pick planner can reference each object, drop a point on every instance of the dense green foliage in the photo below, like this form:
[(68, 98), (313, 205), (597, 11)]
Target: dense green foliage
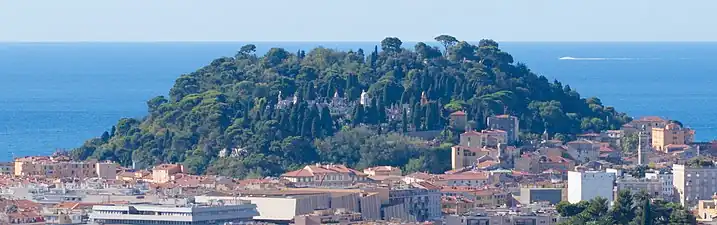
[(629, 209), (231, 105)]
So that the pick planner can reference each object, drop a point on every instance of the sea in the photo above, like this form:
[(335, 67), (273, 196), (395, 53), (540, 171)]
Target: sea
[(54, 96)]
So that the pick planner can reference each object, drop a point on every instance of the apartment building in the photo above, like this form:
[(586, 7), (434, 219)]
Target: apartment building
[(652, 187), (644, 125), (694, 183), (583, 186), (325, 176), (583, 150), (171, 215), (163, 173), (59, 167), (383, 171), (668, 189), (671, 134)]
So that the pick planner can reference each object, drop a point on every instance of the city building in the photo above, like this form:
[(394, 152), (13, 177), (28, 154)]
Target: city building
[(590, 184), (521, 216), (328, 216), (533, 195), (537, 163), (55, 167), (707, 211), (652, 187), (694, 183), (383, 171), (413, 204), (644, 126), (473, 146), (458, 120), (507, 123), (164, 172), (325, 176), (455, 205), (668, 189), (468, 178), (7, 168), (583, 150), (171, 215), (671, 134)]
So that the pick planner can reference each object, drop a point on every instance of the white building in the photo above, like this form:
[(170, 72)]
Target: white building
[(590, 184), (694, 183), (668, 189), (171, 215)]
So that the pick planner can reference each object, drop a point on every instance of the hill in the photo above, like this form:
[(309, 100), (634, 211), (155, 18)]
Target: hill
[(251, 115)]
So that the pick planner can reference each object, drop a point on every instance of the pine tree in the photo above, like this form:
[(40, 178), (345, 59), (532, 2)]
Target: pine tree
[(623, 210)]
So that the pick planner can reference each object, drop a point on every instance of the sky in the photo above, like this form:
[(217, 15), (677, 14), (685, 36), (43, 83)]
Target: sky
[(364, 20)]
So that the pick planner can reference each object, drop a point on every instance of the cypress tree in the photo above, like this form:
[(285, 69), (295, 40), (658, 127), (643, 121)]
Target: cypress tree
[(359, 115), (404, 121), (326, 122)]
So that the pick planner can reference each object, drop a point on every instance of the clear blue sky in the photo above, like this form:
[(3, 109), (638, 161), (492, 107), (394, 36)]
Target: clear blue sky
[(357, 20)]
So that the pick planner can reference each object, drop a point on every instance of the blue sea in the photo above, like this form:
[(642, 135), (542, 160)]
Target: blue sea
[(56, 95)]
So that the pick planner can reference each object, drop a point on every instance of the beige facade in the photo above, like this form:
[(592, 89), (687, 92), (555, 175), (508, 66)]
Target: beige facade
[(54, 167), (707, 211), (472, 145), (163, 173), (694, 183), (325, 176), (383, 171), (671, 134)]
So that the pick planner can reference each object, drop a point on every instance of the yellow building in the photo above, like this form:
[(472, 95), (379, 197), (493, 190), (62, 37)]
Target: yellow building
[(671, 134), (58, 167)]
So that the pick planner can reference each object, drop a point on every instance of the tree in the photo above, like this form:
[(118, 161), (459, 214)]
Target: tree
[(568, 210), (446, 41), (415, 165), (682, 217), (628, 142), (404, 121), (230, 103), (623, 210), (105, 136), (646, 215), (246, 50), (391, 45)]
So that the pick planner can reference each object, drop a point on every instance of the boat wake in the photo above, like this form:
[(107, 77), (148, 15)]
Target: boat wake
[(593, 59)]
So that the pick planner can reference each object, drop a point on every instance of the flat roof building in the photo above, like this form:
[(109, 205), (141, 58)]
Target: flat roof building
[(171, 215)]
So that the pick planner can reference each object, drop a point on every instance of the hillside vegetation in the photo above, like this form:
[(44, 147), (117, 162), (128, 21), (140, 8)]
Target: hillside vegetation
[(231, 108)]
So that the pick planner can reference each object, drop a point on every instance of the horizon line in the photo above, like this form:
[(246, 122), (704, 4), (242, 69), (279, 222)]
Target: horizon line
[(319, 41)]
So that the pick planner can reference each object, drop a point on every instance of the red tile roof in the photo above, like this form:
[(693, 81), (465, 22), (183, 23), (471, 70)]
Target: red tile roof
[(312, 170), (458, 113)]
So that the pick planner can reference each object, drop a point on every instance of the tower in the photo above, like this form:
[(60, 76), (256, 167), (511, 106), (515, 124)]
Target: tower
[(424, 99), (639, 148), (365, 99)]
